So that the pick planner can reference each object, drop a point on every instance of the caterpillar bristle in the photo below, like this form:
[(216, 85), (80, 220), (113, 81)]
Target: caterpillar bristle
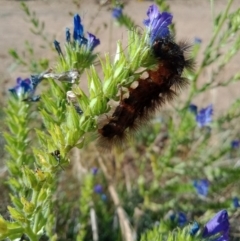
[(150, 94), (190, 64), (185, 46)]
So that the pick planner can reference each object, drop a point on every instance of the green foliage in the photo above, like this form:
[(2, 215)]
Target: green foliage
[(139, 186)]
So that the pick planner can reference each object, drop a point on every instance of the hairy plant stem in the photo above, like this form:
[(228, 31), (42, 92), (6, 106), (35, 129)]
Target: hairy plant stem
[(31, 235)]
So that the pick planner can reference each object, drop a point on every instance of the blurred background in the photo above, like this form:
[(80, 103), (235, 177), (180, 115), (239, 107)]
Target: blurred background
[(192, 19), (26, 47)]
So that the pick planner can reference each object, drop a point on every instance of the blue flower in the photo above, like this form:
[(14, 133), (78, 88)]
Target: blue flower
[(204, 116), (197, 40), (98, 189), (117, 12), (78, 35), (194, 229), (78, 31), (77, 27), (223, 237), (157, 23), (179, 217), (193, 108), (94, 171), (219, 224), (182, 219), (92, 41), (26, 88), (23, 88), (104, 197), (236, 203), (68, 35), (235, 144), (201, 186)]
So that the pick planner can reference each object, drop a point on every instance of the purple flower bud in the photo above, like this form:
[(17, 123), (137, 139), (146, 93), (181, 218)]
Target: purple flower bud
[(193, 108), (201, 187), (197, 40), (22, 88), (57, 47), (92, 41), (194, 229), (157, 23), (204, 116), (104, 197), (182, 219), (235, 144), (68, 35), (224, 237), (78, 27), (179, 217), (117, 12), (98, 189), (218, 224), (94, 171), (236, 203)]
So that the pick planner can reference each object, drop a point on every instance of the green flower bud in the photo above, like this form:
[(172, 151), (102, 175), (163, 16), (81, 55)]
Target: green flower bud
[(94, 83), (17, 215), (109, 88), (42, 196), (28, 207), (43, 176), (72, 118), (87, 123), (16, 202), (29, 178), (3, 227), (98, 106), (82, 98)]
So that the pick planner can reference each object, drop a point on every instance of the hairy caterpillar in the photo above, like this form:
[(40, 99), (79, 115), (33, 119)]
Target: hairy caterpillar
[(161, 85)]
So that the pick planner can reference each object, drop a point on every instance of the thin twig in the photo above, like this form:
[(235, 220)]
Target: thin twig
[(94, 224), (124, 223)]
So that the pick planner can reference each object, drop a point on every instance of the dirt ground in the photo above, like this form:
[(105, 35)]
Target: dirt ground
[(192, 19)]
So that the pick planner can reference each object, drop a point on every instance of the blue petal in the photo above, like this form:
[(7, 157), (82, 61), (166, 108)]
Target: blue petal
[(182, 219), (224, 237), (201, 186), (197, 40), (218, 224), (236, 203), (78, 27), (193, 108), (153, 12), (22, 88), (92, 41), (117, 12), (98, 189), (57, 47), (68, 35), (235, 144), (157, 23), (94, 171), (204, 116), (179, 217), (194, 229)]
